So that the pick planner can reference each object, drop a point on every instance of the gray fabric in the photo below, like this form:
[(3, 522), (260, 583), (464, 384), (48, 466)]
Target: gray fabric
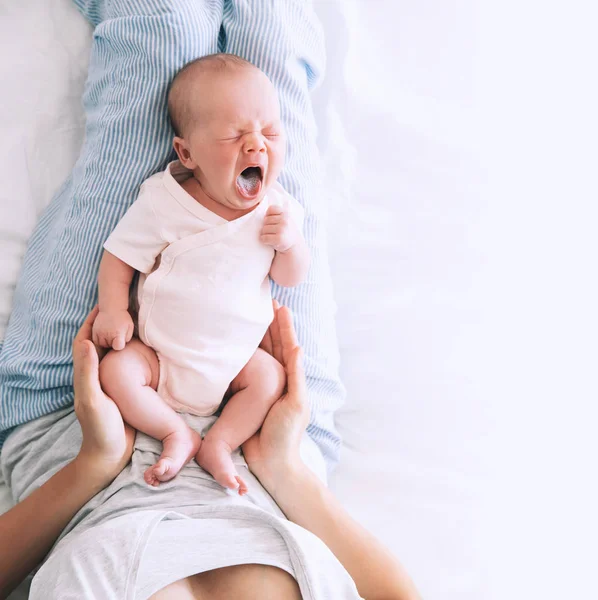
[(125, 529), (222, 542)]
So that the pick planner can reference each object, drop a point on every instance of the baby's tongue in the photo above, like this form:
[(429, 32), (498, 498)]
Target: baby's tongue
[(249, 180)]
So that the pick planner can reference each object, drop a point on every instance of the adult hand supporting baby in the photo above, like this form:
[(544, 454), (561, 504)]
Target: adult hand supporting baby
[(30, 528), (273, 456), (107, 441), (274, 449)]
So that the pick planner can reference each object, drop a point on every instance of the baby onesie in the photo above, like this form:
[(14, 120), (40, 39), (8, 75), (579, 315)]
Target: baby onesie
[(204, 290)]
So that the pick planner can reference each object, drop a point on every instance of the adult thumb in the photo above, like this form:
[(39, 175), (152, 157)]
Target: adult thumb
[(86, 366), (296, 386)]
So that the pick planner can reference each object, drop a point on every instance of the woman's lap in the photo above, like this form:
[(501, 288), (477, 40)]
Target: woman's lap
[(35, 451)]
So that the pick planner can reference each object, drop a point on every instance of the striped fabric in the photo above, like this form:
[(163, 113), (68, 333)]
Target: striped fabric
[(138, 46)]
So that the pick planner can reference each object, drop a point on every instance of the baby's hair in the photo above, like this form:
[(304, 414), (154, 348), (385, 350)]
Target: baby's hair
[(179, 109)]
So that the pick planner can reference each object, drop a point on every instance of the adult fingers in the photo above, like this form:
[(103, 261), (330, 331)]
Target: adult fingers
[(266, 343), (86, 375), (275, 333), (86, 333), (288, 336), (296, 385), (85, 330)]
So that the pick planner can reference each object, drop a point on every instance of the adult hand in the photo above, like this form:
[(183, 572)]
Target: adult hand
[(107, 441), (274, 449)]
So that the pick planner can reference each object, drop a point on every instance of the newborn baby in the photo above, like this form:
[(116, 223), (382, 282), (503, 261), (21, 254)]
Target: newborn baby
[(205, 235)]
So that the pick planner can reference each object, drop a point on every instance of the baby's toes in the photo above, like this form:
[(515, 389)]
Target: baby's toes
[(228, 481), (150, 477), (243, 489)]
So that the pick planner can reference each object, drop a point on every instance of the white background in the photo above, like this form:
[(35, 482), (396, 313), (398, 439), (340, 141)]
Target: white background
[(473, 134)]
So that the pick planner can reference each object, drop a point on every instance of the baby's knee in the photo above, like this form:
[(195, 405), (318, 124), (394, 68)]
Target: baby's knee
[(268, 373), (135, 365)]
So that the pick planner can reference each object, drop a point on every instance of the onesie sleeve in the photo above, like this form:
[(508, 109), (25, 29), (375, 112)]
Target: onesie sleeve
[(137, 239)]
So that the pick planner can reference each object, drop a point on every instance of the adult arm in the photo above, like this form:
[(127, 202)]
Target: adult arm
[(29, 530), (273, 456)]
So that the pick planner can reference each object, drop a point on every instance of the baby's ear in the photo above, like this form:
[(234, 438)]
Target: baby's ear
[(182, 150)]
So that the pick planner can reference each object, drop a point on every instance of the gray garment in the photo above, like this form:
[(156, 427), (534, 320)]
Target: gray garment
[(130, 529)]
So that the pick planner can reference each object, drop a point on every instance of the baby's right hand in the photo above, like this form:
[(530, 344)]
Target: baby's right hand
[(113, 329)]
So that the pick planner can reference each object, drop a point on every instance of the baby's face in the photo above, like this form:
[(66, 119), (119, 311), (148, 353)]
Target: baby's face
[(237, 145)]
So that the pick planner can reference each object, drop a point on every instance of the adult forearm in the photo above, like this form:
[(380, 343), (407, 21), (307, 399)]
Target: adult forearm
[(308, 503), (30, 528), (114, 281), (290, 268)]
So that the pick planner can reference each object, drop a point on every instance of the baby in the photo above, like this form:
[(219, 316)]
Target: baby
[(206, 236)]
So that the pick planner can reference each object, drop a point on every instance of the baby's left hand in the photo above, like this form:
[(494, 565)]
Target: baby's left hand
[(279, 230)]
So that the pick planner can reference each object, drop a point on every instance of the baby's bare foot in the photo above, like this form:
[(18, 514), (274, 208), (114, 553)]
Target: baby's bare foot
[(179, 448), (215, 457)]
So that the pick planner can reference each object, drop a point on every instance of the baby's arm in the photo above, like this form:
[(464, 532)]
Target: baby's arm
[(133, 246), (113, 327), (290, 268), (291, 262)]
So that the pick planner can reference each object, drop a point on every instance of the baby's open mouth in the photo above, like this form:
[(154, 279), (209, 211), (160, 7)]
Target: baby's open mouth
[(249, 182)]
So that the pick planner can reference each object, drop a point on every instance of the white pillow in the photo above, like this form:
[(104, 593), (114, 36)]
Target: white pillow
[(43, 65)]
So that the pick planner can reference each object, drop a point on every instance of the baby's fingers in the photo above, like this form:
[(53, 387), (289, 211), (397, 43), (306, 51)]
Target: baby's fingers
[(102, 341), (273, 219), (270, 229), (118, 343), (274, 210), (270, 239)]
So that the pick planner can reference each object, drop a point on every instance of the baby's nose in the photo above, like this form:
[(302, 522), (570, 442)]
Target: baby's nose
[(255, 143)]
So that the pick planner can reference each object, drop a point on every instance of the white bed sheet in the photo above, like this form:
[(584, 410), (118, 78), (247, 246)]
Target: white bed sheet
[(425, 331), (44, 50), (404, 178)]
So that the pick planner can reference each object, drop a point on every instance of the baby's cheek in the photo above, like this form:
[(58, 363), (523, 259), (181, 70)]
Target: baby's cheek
[(276, 164)]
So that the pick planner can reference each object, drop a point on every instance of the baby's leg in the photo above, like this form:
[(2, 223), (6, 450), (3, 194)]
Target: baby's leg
[(254, 389), (130, 378)]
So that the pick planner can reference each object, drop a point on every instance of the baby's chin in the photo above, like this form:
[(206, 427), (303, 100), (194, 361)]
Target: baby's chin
[(242, 205)]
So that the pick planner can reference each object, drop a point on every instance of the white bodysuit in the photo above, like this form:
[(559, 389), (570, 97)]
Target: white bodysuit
[(204, 290)]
